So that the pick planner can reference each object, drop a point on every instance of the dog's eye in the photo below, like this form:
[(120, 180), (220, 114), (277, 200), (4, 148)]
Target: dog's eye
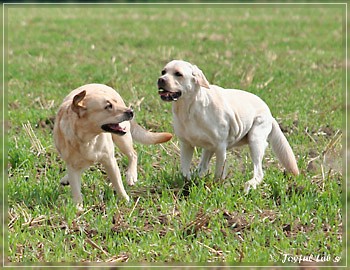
[(178, 74), (109, 106), (163, 72)]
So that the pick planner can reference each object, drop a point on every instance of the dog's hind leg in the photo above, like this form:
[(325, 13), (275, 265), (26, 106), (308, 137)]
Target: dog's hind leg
[(65, 180), (124, 143), (257, 139)]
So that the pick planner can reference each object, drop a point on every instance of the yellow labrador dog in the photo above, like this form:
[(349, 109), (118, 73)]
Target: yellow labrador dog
[(218, 119), (89, 120)]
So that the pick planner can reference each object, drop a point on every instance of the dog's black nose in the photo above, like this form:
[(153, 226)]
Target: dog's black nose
[(161, 81), (130, 113)]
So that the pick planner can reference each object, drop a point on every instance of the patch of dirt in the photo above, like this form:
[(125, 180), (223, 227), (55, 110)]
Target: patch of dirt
[(47, 123), (292, 229), (14, 105), (289, 129), (239, 222), (294, 188), (200, 223)]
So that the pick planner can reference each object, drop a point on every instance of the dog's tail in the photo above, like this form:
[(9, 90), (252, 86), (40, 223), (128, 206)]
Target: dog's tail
[(143, 136), (282, 149)]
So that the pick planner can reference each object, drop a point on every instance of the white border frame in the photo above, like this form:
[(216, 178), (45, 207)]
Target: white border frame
[(179, 265)]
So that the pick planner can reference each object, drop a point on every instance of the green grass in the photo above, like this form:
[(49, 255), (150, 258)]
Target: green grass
[(290, 56)]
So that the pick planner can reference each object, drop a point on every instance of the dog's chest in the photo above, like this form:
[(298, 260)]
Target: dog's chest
[(96, 149), (199, 132)]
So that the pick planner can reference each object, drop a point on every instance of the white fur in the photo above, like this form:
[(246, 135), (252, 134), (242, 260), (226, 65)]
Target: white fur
[(218, 119)]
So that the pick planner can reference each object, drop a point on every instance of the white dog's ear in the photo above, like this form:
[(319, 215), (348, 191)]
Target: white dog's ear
[(77, 104), (199, 76)]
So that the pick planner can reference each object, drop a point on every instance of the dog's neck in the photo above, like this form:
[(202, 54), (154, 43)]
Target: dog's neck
[(86, 138), (84, 133), (200, 96), (183, 105)]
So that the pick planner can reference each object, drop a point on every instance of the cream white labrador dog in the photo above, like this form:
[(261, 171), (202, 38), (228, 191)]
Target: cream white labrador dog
[(89, 120), (218, 119)]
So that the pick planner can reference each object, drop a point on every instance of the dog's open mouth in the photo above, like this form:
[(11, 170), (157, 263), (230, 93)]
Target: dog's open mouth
[(168, 96), (114, 128)]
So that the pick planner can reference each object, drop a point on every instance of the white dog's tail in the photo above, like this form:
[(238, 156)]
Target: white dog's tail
[(143, 136), (282, 149)]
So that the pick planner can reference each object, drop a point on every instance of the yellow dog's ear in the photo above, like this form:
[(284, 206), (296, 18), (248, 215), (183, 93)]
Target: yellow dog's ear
[(77, 104), (199, 76)]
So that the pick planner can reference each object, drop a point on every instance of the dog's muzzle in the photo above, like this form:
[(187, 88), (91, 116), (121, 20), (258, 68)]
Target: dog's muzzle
[(165, 94), (115, 127)]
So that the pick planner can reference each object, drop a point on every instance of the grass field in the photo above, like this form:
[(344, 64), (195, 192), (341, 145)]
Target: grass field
[(290, 56)]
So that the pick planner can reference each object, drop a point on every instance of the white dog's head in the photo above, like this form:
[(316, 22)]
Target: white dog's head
[(179, 78)]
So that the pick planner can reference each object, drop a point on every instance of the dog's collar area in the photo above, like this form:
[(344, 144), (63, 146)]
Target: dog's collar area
[(114, 128), (168, 96)]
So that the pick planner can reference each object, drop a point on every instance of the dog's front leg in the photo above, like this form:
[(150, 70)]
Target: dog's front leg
[(220, 170), (186, 157), (203, 165), (73, 178), (124, 143), (113, 173)]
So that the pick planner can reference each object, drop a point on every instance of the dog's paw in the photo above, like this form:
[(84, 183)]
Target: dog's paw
[(131, 179), (80, 208), (187, 176), (127, 198), (251, 184), (122, 196), (64, 181)]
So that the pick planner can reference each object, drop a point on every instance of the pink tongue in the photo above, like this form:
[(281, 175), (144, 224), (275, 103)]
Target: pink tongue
[(115, 127), (164, 93)]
